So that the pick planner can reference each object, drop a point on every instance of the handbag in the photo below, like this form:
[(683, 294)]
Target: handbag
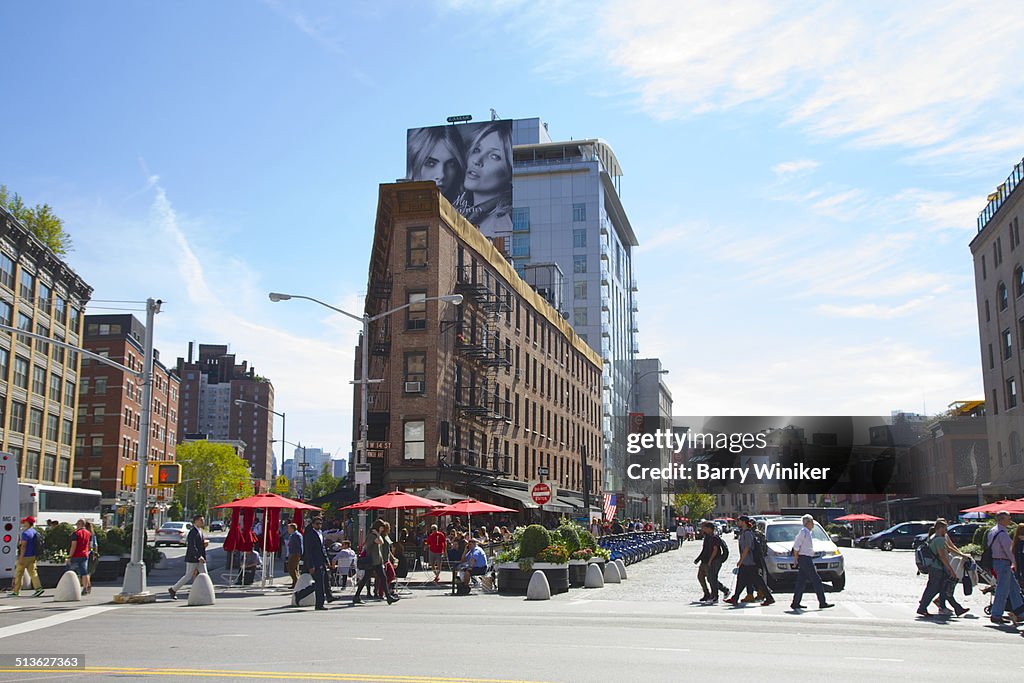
[(363, 561)]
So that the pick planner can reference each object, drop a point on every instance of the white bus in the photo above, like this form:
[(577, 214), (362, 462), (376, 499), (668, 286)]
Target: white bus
[(10, 526), (59, 503)]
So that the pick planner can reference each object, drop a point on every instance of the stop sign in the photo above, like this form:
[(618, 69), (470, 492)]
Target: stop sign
[(541, 493)]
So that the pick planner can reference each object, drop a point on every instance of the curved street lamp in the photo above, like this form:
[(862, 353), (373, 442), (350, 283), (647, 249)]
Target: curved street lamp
[(364, 380)]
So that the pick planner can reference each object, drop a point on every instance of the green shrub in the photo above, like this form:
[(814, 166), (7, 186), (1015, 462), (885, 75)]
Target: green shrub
[(57, 543), (587, 540), (972, 549), (555, 553), (117, 542), (534, 540), (840, 530), (982, 532), (569, 537)]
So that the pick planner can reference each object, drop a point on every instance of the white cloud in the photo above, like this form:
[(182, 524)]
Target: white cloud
[(788, 168), (918, 75)]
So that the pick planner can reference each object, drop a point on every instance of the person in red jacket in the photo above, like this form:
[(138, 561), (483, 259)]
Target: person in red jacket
[(78, 555), (436, 542)]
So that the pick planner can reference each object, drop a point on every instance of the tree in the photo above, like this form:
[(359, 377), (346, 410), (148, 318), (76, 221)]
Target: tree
[(215, 471), (699, 505), (40, 220), (324, 484)]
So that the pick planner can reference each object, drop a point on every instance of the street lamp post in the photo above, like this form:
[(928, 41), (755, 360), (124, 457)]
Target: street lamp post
[(239, 401), (364, 379)]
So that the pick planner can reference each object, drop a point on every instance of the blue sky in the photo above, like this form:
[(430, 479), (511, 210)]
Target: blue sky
[(803, 180)]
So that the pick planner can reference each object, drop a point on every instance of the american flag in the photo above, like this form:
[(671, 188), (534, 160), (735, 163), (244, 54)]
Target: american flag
[(609, 506)]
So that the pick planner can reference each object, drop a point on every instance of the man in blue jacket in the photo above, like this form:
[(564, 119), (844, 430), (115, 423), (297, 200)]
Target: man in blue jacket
[(315, 559), (195, 556)]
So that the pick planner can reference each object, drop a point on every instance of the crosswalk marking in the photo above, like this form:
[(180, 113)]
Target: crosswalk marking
[(857, 610), (54, 620)]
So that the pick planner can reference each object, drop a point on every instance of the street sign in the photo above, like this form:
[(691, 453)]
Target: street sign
[(541, 492), (363, 477), (542, 471), (281, 484)]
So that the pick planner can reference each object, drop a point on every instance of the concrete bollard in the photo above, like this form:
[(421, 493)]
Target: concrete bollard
[(594, 577), (68, 588), (611, 573), (539, 589), (201, 592), (622, 569), (305, 580)]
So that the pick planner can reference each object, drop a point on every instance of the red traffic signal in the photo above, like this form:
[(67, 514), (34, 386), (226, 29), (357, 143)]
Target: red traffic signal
[(168, 475)]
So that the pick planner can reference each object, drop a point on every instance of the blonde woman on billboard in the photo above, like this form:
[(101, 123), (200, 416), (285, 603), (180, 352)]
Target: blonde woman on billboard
[(437, 154), (487, 200)]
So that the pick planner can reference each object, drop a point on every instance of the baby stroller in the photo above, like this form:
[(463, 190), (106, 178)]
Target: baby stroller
[(987, 578)]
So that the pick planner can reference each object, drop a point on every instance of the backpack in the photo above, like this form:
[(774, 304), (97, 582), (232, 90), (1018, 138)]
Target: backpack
[(924, 557), (723, 549), (759, 549), (986, 556)]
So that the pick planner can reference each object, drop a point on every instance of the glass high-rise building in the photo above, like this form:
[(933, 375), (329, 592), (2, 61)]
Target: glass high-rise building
[(572, 240)]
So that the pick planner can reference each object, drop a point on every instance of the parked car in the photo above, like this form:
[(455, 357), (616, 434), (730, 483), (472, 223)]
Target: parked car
[(172, 533), (899, 536), (780, 532), (960, 534), (216, 526)]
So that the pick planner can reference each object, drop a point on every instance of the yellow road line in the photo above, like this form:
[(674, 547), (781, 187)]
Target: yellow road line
[(231, 673)]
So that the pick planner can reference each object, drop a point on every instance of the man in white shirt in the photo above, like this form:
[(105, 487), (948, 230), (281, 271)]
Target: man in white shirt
[(803, 555)]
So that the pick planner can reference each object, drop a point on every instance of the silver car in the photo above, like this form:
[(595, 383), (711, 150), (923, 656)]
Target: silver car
[(780, 533)]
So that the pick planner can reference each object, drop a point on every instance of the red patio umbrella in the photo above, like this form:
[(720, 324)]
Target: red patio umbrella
[(394, 500), (469, 507), (857, 517), (1012, 506), (234, 536)]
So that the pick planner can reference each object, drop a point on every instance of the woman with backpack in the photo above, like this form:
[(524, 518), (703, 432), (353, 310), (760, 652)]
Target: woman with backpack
[(940, 571)]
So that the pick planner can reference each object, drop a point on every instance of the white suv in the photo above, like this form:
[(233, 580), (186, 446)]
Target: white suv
[(780, 533)]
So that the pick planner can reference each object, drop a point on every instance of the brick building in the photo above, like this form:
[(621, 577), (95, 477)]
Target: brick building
[(479, 397), (110, 410), (38, 381), (210, 385)]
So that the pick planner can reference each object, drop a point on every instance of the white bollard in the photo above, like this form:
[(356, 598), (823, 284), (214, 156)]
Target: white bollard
[(594, 577), (622, 569), (68, 588), (611, 573), (305, 580), (201, 592), (539, 589)]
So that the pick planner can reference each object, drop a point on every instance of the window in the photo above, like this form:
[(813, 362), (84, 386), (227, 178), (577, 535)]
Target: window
[(416, 314), (44, 297), (1011, 393), (520, 245), (984, 268), (35, 422), (579, 290), (414, 440), (55, 388), (7, 271), (579, 264), (58, 351), (579, 316), (59, 309), (65, 435), (69, 393), (24, 323), (991, 358), (5, 313), (579, 239), (415, 366), (38, 380), (27, 288), (1000, 295), (20, 372), (75, 320), (988, 312), (5, 359), (100, 385), (32, 465), (41, 346), (49, 467), (521, 219), (17, 423), (1018, 276), (579, 213), (1007, 345), (416, 248), (52, 427), (65, 471)]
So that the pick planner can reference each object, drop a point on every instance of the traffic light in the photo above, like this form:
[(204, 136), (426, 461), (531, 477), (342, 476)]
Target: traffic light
[(168, 475), (239, 487), (128, 474)]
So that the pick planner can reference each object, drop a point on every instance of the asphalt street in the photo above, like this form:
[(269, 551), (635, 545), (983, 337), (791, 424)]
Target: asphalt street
[(646, 628)]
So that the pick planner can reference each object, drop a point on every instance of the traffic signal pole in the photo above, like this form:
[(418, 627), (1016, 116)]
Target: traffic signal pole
[(135, 574)]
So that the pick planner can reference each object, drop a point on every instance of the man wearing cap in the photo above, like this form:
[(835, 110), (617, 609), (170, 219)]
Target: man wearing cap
[(803, 555), (1007, 590), (28, 550)]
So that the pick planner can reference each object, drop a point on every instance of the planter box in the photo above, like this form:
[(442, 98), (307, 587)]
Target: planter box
[(50, 573), (109, 568), (577, 573), (514, 581)]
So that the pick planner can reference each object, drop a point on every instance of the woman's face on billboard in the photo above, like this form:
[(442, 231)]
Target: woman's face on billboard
[(439, 165), (487, 169)]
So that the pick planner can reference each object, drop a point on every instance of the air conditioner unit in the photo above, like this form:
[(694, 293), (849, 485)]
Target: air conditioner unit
[(414, 387)]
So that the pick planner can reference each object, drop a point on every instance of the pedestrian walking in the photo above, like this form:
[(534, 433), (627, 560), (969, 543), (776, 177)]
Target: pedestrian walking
[(374, 553), (345, 562), (710, 561), (436, 541), (807, 575), (998, 542), (195, 556), (960, 563), (78, 555), (747, 565), (680, 532), (939, 570), (293, 551), (315, 558), (1017, 552), (28, 551)]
